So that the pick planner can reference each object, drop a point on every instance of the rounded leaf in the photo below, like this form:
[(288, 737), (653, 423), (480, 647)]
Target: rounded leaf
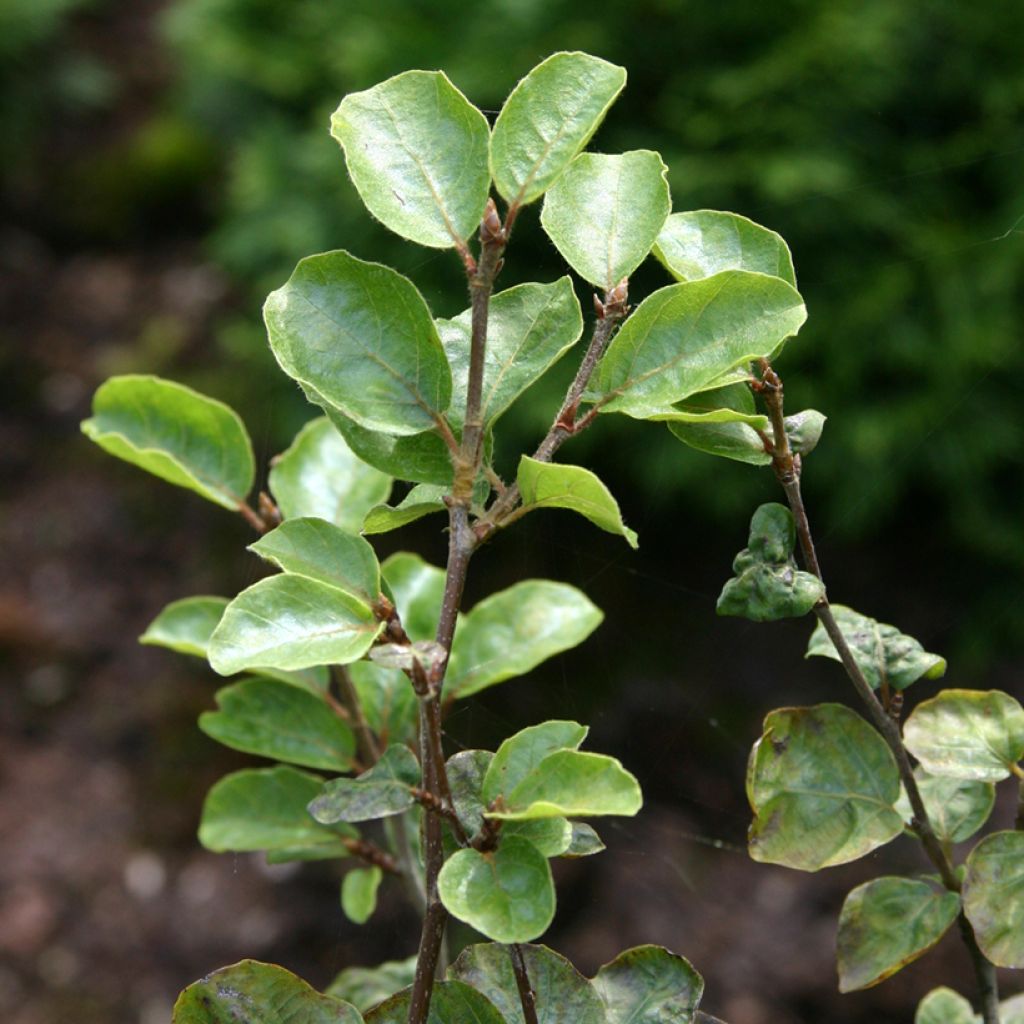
[(506, 894), (381, 791), (416, 150), (957, 808), (451, 1002), (548, 118), (944, 1006), (604, 213), (649, 985), (967, 734), (359, 893), (703, 243), (994, 897), (822, 784), (365, 987), (186, 626), (361, 336), (521, 753), (888, 923), (320, 476), (174, 433), (258, 994)]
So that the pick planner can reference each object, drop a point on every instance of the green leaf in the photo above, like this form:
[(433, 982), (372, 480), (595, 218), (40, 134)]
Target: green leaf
[(276, 720), (967, 734), (562, 994), (383, 790), (944, 1006), (683, 337), (604, 213), (649, 985), (520, 754), (568, 783), (421, 501), (416, 150), (466, 772), (506, 894), (320, 476), (365, 987), (319, 550), (957, 808), (186, 626), (361, 336), (822, 784), (803, 429), (994, 897), (881, 650), (1011, 1011), (258, 994), (359, 893), (737, 440), (174, 433), (451, 1002), (314, 680), (388, 701), (768, 585), (417, 588), (585, 841), (265, 809), (529, 328), (513, 631), (703, 243), (551, 836), (291, 622), (886, 924), (549, 117), (551, 485)]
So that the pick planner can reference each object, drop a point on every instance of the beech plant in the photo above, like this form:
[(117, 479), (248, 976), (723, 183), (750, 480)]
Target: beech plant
[(343, 667)]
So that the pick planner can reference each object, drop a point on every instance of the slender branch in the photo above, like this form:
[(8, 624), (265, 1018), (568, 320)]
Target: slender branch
[(1019, 823), (372, 854), (527, 997), (252, 517), (787, 469)]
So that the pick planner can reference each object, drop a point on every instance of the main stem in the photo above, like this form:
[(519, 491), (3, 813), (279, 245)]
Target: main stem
[(787, 469), (462, 542)]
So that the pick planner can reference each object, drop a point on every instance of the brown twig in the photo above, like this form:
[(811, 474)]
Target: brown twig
[(372, 854), (527, 997)]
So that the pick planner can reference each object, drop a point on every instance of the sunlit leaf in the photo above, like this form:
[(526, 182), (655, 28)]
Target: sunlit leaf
[(174, 433), (649, 985), (548, 118), (320, 476), (383, 790), (882, 651), (994, 897), (551, 836), (521, 753), (362, 337), (735, 440), (888, 923), (822, 784), (421, 501), (186, 626)]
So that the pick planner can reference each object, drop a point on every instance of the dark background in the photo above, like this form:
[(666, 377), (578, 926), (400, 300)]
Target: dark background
[(165, 165)]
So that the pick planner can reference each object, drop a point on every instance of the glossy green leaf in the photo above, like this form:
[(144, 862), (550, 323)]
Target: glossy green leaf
[(803, 430), (186, 626), (881, 650), (320, 476), (513, 631), (822, 784), (944, 1006), (521, 753), (548, 118), (585, 841), (451, 1002), (315, 680), (604, 213), (561, 994), (703, 243), (957, 808), (256, 993), (466, 772), (383, 790), (994, 897), (272, 719), (551, 836), (570, 783), (768, 585), (365, 987), (649, 985), (680, 339), (174, 433), (552, 485), (417, 588), (359, 893), (291, 622), (529, 328), (735, 440), (362, 337), (416, 150), (388, 701), (506, 894), (967, 734), (421, 501), (886, 924), (265, 809), (319, 550)]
